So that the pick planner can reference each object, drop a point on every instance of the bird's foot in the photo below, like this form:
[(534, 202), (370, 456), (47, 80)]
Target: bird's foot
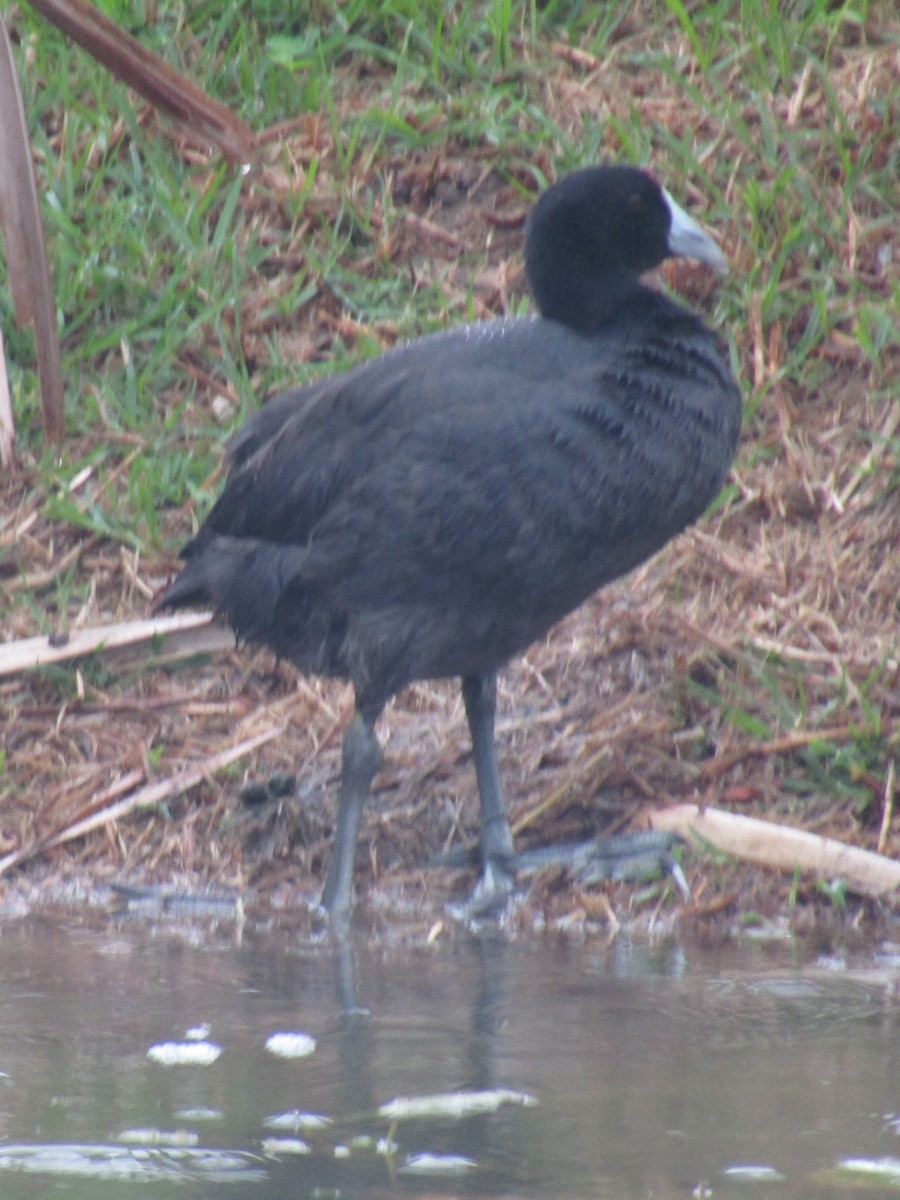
[(494, 891), (625, 856)]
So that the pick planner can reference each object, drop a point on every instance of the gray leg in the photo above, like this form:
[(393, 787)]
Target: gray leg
[(497, 851), (360, 760)]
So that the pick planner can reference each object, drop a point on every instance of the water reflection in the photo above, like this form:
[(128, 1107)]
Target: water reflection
[(654, 1069)]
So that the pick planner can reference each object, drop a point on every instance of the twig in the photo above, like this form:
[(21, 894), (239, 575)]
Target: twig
[(38, 580), (837, 662), (432, 230), (867, 466), (796, 105), (575, 56), (191, 632), (147, 797), (582, 771), (101, 799), (714, 549), (151, 76), (10, 534), (780, 745), (887, 812)]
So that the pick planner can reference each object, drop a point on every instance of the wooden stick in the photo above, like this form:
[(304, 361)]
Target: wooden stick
[(23, 229), (190, 633), (786, 849), (151, 76)]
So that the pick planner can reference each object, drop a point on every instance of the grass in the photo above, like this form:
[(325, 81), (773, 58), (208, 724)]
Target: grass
[(187, 291)]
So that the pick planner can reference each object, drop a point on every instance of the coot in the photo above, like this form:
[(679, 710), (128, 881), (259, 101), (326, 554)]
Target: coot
[(432, 512)]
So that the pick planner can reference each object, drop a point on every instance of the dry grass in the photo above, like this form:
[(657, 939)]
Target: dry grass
[(755, 663)]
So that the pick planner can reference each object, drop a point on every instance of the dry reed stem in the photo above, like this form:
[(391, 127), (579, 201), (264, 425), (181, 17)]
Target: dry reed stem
[(99, 814), (777, 846)]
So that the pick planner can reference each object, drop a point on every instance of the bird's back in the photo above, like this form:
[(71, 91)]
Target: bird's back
[(432, 512)]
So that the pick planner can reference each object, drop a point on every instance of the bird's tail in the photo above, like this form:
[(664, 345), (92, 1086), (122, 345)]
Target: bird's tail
[(240, 578)]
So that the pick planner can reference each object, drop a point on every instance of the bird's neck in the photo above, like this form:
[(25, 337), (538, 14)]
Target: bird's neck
[(578, 302)]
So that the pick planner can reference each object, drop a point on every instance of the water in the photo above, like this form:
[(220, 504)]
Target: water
[(623, 1070)]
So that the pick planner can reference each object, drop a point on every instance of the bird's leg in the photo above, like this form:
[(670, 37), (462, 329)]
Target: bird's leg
[(360, 760), (497, 851)]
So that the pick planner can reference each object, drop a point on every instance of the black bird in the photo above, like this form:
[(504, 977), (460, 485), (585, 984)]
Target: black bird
[(432, 512)]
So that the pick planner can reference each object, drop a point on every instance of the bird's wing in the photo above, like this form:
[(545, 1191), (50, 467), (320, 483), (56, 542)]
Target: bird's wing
[(485, 460)]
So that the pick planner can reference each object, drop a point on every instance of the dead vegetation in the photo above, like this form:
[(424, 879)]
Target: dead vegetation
[(754, 665)]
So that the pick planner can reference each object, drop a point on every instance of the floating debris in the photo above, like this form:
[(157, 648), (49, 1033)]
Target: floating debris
[(158, 1137), (198, 1114), (272, 1147), (437, 1164), (291, 1045), (177, 1054), (453, 1105), (198, 1033), (753, 1173), (295, 1119), (883, 1170), (120, 1163)]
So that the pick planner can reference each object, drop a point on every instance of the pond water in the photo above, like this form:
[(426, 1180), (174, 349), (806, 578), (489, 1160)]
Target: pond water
[(542, 1067)]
